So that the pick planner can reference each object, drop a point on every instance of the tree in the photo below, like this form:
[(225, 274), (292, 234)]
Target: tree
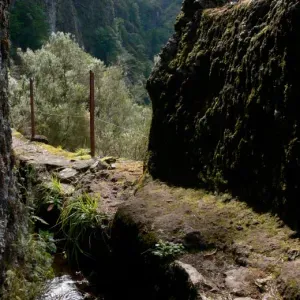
[(106, 44), (28, 25)]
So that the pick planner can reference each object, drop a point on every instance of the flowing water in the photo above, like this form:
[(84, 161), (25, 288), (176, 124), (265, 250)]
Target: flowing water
[(62, 288), (66, 288), (67, 285)]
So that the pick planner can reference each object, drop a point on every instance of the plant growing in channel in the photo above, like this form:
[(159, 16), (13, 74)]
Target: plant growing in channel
[(25, 279), (52, 194), (79, 217), (167, 250), (48, 239)]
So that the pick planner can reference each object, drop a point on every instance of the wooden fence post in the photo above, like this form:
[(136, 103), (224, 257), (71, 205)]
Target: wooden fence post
[(32, 110), (92, 113)]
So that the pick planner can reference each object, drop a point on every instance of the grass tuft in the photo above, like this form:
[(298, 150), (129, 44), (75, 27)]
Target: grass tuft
[(78, 218)]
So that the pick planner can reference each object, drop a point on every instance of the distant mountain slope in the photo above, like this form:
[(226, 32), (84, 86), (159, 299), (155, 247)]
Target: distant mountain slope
[(129, 32)]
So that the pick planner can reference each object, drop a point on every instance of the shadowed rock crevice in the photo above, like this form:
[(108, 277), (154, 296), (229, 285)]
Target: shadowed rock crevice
[(225, 103)]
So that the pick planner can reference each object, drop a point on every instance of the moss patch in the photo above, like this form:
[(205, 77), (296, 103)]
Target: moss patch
[(63, 153), (210, 226)]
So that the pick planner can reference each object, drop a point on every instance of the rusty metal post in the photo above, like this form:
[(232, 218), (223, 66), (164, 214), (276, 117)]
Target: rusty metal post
[(32, 110), (92, 113)]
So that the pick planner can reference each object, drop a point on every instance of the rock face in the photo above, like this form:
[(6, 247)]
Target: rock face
[(5, 134), (226, 106)]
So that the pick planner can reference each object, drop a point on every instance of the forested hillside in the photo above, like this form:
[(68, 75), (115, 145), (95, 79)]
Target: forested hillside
[(127, 32)]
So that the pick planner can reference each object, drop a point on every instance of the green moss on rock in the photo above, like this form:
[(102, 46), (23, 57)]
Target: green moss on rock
[(228, 115)]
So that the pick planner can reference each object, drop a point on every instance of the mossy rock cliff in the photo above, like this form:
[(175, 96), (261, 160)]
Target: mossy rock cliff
[(226, 104), (7, 198)]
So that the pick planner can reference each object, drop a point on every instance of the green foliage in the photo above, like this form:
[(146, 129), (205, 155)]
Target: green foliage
[(78, 218), (82, 152), (28, 264), (61, 74), (28, 25), (26, 279), (106, 44), (143, 27), (52, 194), (167, 250), (49, 240)]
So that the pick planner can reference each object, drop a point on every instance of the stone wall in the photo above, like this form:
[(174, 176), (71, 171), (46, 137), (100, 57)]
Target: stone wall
[(6, 191), (226, 104)]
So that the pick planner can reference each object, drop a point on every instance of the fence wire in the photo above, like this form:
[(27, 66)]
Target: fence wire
[(98, 119)]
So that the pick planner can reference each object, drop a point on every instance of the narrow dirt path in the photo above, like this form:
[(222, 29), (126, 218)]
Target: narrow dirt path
[(113, 180)]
